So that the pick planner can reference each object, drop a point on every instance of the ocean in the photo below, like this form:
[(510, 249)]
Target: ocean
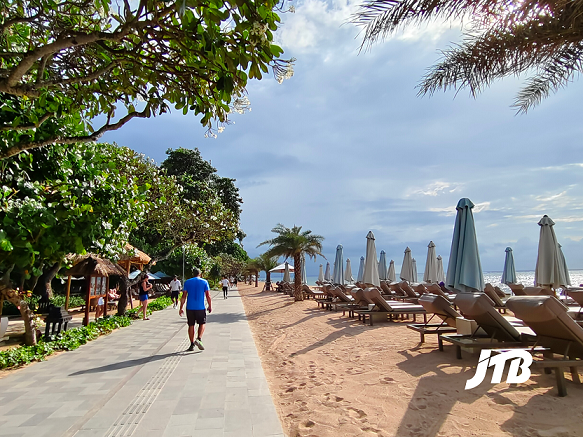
[(523, 277)]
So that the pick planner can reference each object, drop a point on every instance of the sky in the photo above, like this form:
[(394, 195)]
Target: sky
[(347, 146)]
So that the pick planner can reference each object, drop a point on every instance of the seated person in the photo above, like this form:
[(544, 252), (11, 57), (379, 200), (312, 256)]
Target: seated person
[(99, 309), (113, 294)]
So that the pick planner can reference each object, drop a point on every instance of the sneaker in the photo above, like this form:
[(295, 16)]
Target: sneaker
[(191, 348), (199, 344)]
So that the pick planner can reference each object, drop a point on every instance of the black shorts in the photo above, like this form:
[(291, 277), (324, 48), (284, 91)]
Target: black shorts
[(175, 294), (196, 316)]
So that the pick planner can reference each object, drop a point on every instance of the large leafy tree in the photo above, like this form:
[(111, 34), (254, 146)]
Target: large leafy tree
[(72, 70), (544, 39), (58, 200), (175, 217), (292, 243)]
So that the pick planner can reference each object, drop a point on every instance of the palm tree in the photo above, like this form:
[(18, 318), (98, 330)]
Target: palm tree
[(264, 263), (504, 40), (292, 243)]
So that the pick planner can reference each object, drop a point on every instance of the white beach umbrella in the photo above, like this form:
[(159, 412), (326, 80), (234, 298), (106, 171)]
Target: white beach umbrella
[(383, 266), (360, 270), (321, 274), (509, 273), (464, 270), (564, 264), (348, 272), (281, 268), (304, 274), (430, 273), (327, 276), (392, 276), (440, 272), (415, 277), (286, 276), (407, 267), (338, 277), (371, 266), (549, 269)]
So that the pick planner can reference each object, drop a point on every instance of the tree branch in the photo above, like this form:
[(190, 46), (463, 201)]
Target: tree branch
[(20, 147), (4, 128)]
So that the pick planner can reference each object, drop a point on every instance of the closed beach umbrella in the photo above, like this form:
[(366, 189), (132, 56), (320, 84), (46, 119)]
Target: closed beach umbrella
[(304, 274), (360, 270), (392, 275), (509, 273), (549, 269), (338, 277), (430, 273), (348, 272), (383, 266), (464, 270), (407, 267), (440, 272), (414, 270), (564, 264), (321, 274), (286, 276), (327, 276), (371, 266)]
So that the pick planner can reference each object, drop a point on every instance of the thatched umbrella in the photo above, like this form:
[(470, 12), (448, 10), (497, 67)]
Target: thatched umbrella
[(88, 266)]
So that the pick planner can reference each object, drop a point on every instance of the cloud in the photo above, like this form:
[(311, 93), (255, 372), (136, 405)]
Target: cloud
[(346, 146)]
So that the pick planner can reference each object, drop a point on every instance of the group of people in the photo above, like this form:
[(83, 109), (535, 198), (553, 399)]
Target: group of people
[(194, 292)]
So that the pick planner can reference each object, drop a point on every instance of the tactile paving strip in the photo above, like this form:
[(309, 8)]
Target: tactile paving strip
[(128, 421)]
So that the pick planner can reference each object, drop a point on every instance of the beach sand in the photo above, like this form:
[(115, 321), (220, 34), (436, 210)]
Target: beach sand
[(333, 376)]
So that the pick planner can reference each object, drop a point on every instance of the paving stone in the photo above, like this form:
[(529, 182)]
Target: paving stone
[(141, 377)]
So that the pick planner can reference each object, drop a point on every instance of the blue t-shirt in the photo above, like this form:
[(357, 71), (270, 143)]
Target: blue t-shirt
[(195, 289)]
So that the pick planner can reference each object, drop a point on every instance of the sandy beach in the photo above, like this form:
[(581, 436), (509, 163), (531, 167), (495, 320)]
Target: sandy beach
[(333, 376)]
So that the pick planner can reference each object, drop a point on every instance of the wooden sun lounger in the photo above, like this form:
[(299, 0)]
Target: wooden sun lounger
[(440, 308), (555, 330), (491, 293), (385, 310), (499, 331)]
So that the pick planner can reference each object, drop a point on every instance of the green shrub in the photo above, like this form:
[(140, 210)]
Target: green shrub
[(64, 341), (74, 301)]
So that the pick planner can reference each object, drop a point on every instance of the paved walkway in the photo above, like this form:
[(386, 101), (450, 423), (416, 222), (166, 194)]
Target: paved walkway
[(139, 381)]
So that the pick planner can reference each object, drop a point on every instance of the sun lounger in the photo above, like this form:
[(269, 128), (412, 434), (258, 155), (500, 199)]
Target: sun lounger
[(517, 289), (420, 289), (555, 330), (327, 297), (538, 291), (436, 289), (491, 293), (309, 293), (499, 331), (440, 308), (409, 291), (500, 293), (385, 310), (577, 296), (386, 289)]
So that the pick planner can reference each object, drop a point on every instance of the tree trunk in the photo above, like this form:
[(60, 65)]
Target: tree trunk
[(27, 315), (257, 279), (268, 279), (43, 286), (298, 295), (124, 291)]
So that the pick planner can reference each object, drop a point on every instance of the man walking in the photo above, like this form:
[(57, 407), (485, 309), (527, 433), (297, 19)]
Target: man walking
[(225, 284), (194, 291), (175, 290)]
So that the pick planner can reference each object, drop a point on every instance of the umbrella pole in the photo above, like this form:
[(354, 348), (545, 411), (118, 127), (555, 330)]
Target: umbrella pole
[(68, 292)]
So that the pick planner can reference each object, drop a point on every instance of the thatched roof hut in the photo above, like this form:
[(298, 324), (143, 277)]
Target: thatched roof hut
[(90, 264), (135, 257)]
